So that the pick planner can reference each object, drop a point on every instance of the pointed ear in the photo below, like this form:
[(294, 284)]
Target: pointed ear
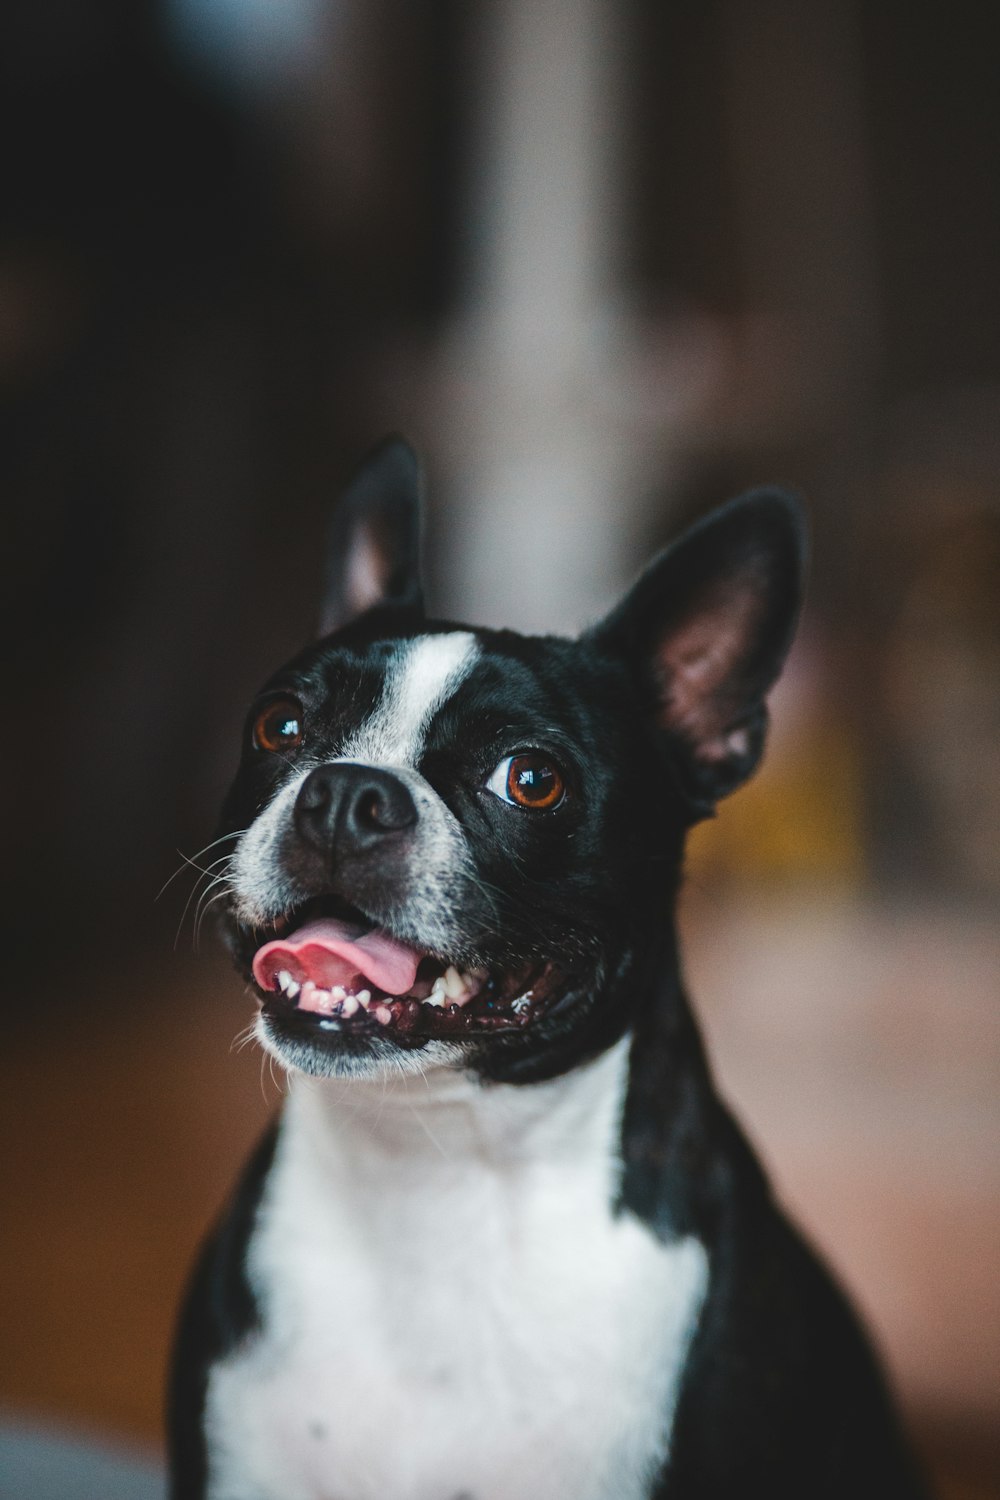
[(707, 628), (374, 539)]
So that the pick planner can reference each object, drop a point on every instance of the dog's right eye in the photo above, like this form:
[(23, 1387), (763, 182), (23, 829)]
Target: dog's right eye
[(529, 780), (278, 726)]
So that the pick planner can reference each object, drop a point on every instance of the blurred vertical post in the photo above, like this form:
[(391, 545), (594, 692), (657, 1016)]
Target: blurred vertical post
[(538, 462)]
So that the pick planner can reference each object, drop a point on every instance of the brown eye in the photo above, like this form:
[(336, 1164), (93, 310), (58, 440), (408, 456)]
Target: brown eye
[(279, 725), (529, 780)]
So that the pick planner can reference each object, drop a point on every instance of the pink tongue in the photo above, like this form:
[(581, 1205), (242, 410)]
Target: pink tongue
[(330, 952)]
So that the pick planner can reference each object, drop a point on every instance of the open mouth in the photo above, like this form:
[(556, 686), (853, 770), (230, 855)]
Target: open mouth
[(333, 969)]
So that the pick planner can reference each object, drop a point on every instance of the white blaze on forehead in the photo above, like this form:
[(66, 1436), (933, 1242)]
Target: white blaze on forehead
[(419, 681)]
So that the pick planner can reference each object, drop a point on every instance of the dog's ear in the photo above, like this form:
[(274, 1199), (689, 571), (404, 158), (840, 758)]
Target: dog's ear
[(707, 628), (373, 550)]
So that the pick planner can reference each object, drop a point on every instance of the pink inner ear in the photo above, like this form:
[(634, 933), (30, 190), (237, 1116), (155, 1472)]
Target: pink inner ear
[(701, 662), (725, 748), (364, 573)]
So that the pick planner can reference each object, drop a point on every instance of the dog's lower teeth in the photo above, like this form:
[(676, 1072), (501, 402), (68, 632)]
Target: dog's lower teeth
[(350, 1006)]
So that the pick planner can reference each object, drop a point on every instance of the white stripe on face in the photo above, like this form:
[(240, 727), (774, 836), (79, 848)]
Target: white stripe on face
[(422, 678)]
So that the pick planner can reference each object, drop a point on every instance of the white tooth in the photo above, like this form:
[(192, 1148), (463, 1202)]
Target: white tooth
[(521, 1003), (383, 1014), (453, 983), (338, 992), (364, 996), (349, 1006), (284, 979), (292, 989), (438, 994)]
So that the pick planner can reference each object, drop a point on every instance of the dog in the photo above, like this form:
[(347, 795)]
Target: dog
[(505, 1241)]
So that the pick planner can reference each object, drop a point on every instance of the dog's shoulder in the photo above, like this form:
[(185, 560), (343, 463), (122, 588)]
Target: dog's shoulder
[(220, 1310)]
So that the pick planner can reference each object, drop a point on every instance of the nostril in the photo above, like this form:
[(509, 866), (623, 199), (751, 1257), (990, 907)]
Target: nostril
[(370, 809), (314, 795), (385, 809)]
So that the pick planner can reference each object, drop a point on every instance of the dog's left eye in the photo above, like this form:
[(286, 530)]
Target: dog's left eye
[(529, 780), (278, 726)]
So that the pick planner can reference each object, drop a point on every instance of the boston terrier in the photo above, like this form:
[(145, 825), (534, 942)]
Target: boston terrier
[(505, 1242)]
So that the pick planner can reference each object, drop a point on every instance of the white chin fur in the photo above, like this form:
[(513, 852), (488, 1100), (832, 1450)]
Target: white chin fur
[(385, 1060)]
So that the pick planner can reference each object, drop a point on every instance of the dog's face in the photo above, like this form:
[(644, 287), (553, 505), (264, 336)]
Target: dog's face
[(458, 846)]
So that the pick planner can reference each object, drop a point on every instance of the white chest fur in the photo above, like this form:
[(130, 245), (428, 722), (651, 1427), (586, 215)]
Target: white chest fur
[(451, 1312)]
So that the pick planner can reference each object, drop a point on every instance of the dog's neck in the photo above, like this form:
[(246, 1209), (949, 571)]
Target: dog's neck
[(446, 1258), (445, 1118)]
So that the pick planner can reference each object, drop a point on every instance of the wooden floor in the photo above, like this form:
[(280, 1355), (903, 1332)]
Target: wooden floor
[(123, 1119)]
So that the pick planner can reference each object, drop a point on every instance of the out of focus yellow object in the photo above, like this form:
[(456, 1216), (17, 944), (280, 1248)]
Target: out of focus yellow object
[(801, 816)]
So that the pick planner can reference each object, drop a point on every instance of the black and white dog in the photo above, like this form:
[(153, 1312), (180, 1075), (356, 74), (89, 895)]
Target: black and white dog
[(505, 1242)]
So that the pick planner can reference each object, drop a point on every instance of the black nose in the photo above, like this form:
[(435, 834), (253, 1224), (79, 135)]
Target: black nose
[(352, 808)]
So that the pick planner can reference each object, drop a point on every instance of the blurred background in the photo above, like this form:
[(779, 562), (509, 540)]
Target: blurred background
[(606, 264)]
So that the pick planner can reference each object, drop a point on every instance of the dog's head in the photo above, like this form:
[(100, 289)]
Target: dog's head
[(460, 845)]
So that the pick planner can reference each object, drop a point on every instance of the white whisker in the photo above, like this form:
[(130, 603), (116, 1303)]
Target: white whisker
[(205, 874), (191, 860), (204, 904)]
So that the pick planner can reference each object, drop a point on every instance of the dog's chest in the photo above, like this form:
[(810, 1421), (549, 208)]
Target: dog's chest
[(455, 1320)]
